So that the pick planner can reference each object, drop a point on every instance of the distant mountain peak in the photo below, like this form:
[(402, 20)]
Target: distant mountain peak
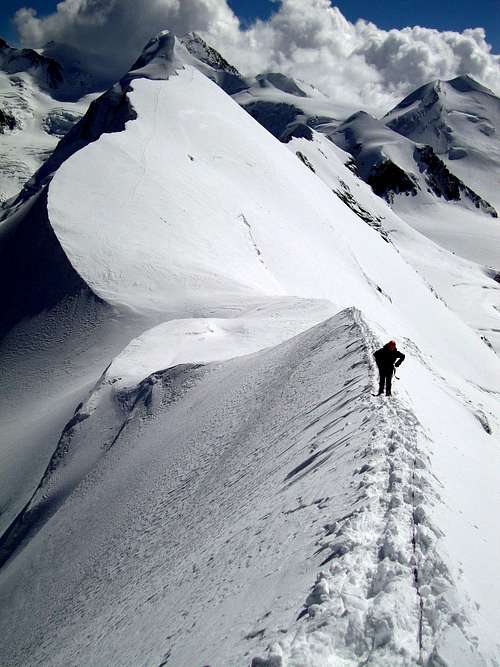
[(165, 53), (47, 71), (394, 165), (202, 51), (432, 92), (459, 118), (157, 56), (465, 83), (284, 83)]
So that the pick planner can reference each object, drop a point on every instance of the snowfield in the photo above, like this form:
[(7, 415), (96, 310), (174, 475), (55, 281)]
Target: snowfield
[(197, 470)]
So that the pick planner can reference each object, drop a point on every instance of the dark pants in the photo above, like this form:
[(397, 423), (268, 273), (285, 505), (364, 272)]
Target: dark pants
[(385, 379)]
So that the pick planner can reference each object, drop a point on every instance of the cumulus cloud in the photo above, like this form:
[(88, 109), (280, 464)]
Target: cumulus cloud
[(358, 65)]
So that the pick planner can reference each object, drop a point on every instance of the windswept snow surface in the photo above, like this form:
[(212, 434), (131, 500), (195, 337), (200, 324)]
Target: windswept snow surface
[(229, 491), (184, 193)]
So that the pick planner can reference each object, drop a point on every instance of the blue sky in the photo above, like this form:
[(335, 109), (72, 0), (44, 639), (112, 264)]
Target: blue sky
[(441, 14)]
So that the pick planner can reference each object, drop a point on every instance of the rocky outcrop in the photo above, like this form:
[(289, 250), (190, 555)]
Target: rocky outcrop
[(198, 48), (223, 73), (445, 184), (282, 120), (387, 179), (7, 121)]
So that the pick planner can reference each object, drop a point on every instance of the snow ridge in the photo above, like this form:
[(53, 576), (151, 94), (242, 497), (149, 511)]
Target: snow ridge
[(384, 595), (162, 57), (158, 58)]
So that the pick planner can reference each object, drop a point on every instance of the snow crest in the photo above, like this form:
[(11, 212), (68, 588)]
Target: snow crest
[(384, 595)]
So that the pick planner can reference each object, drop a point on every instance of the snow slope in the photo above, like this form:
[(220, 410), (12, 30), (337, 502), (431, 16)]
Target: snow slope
[(248, 487), (451, 183), (207, 235), (469, 289), (227, 481)]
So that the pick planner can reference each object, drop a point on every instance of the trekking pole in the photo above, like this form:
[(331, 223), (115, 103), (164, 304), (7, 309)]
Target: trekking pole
[(394, 373)]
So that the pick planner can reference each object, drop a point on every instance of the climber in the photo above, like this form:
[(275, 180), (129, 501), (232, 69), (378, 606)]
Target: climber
[(387, 358)]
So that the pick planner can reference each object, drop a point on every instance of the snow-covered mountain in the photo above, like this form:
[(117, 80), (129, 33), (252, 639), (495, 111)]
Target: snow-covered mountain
[(47, 72), (429, 163), (194, 469), (39, 102), (393, 165), (459, 119)]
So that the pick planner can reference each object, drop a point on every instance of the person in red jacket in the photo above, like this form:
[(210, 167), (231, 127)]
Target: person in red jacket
[(387, 358)]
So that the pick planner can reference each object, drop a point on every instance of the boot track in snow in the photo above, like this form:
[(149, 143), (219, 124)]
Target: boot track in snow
[(282, 464), (383, 595)]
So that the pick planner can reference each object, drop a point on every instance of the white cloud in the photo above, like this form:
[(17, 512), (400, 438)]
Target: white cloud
[(358, 65)]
